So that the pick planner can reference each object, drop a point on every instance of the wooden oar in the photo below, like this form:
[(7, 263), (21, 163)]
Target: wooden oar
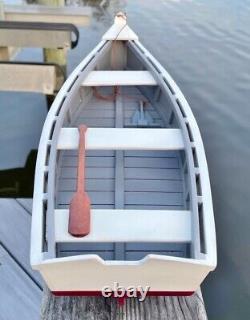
[(79, 209)]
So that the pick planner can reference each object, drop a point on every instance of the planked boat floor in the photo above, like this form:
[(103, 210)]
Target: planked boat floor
[(21, 288), (122, 179), (150, 180)]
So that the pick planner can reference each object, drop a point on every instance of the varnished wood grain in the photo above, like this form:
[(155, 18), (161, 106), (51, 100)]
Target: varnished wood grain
[(98, 308)]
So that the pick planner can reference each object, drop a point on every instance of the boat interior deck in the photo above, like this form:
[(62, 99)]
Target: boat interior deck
[(123, 179)]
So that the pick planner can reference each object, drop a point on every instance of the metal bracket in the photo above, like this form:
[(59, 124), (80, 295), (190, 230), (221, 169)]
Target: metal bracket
[(142, 118)]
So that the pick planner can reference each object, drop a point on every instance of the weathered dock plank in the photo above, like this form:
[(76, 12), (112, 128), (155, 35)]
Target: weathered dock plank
[(153, 308), (15, 234), (19, 295), (77, 15), (26, 204)]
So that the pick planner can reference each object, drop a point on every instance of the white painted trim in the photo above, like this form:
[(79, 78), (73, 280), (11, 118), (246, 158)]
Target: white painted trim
[(36, 254), (119, 33), (122, 139), (90, 272), (209, 224), (120, 29), (129, 226), (119, 78)]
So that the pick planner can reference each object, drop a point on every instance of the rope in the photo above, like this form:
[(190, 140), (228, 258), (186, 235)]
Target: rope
[(116, 93)]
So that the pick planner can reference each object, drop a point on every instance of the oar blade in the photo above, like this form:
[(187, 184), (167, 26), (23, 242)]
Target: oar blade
[(79, 215)]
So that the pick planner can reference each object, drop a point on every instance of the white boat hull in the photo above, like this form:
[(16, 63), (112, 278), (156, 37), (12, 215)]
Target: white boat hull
[(87, 274)]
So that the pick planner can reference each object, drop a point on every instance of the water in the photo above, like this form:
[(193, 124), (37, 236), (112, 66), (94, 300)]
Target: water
[(205, 45)]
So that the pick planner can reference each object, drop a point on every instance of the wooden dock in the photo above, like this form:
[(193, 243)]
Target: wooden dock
[(52, 28), (21, 288), (40, 13)]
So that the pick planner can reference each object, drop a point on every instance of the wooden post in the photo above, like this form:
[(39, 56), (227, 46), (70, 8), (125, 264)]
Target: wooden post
[(1, 10), (4, 51), (58, 56), (153, 308)]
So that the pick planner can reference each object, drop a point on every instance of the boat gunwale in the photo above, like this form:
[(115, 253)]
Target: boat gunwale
[(185, 116), (56, 112)]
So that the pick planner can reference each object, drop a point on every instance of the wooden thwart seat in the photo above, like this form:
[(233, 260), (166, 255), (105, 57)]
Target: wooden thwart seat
[(119, 78), (122, 139), (113, 225)]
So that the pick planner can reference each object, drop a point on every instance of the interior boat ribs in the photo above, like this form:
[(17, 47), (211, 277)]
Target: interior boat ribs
[(145, 173)]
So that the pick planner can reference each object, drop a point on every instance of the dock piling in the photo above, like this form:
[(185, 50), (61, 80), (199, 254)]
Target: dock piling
[(57, 56)]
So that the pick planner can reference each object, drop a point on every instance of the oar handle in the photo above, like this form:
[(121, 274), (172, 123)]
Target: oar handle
[(81, 158)]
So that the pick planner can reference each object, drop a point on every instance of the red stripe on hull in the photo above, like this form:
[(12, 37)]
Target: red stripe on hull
[(99, 293)]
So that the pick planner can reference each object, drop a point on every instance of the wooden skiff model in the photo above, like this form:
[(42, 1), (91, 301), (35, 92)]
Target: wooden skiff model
[(147, 212)]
